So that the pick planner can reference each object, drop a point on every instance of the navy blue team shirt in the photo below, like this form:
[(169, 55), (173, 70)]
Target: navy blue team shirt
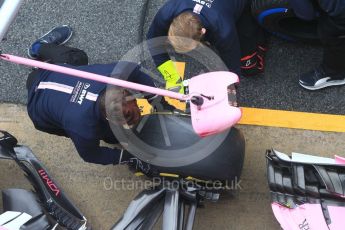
[(218, 18), (66, 105)]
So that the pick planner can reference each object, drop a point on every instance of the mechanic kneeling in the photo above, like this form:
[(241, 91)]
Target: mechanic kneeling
[(78, 108)]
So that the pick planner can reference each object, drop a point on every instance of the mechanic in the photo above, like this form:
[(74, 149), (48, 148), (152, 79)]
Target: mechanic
[(228, 26), (330, 16), (78, 108)]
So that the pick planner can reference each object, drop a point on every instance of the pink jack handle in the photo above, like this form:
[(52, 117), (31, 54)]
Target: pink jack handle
[(92, 76), (210, 109)]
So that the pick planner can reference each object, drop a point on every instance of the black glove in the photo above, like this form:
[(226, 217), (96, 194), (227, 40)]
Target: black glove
[(136, 165), (254, 64), (250, 65)]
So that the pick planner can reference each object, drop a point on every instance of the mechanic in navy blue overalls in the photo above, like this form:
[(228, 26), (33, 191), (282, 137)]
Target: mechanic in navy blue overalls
[(226, 25), (78, 108), (330, 16)]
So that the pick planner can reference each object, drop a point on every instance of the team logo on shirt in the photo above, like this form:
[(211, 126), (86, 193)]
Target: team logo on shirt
[(79, 92), (83, 93)]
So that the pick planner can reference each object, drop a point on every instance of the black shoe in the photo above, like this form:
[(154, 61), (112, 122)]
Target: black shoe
[(58, 35), (318, 79)]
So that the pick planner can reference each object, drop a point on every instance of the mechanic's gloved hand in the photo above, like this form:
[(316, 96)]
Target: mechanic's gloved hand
[(172, 78), (137, 165), (124, 157), (252, 65)]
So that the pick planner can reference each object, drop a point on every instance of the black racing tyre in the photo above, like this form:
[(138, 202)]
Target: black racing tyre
[(223, 164), (277, 17)]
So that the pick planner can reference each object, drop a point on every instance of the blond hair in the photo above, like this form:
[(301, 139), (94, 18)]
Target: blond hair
[(185, 32)]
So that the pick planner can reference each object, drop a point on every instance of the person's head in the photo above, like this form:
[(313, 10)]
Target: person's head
[(119, 107), (184, 28)]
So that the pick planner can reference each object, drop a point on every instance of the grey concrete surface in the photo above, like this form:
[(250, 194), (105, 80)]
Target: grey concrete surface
[(105, 29), (90, 188)]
